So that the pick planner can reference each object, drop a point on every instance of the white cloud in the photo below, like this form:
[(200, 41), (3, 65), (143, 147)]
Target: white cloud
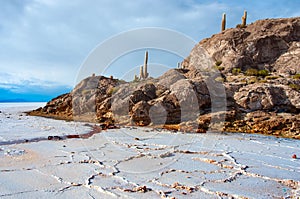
[(49, 39), (18, 84)]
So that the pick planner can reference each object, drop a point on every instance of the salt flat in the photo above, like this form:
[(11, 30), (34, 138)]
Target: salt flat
[(141, 163), (17, 127)]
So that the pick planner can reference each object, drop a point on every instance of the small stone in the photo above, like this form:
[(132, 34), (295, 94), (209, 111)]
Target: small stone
[(54, 137), (142, 189), (175, 184)]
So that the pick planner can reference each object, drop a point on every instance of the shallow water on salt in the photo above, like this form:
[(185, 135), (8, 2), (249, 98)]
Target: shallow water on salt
[(17, 126)]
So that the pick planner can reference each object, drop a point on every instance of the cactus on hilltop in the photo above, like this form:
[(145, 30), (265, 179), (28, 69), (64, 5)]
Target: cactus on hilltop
[(223, 22), (244, 19)]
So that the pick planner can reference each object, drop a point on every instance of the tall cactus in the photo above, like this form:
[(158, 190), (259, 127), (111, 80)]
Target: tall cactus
[(224, 22), (244, 19), (141, 73), (146, 74)]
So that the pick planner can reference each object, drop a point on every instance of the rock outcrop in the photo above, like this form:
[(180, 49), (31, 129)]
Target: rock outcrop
[(241, 80), (272, 44)]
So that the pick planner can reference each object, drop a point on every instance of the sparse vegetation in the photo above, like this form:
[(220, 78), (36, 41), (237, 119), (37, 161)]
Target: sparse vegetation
[(297, 76), (236, 71), (112, 90), (220, 79), (218, 66), (159, 92), (263, 81), (255, 72), (263, 73), (218, 63), (221, 68), (295, 87), (251, 72), (252, 80)]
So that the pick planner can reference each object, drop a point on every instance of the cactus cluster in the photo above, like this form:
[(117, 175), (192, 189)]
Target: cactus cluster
[(143, 69), (242, 25)]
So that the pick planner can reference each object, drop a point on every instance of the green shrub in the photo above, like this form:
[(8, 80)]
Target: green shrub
[(220, 79), (112, 90), (159, 92), (221, 68), (252, 80), (251, 72), (295, 87), (262, 81), (255, 72), (297, 76), (263, 73), (236, 71), (218, 66), (218, 63)]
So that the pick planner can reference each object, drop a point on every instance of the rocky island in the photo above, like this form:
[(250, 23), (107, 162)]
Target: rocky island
[(252, 85), (244, 79)]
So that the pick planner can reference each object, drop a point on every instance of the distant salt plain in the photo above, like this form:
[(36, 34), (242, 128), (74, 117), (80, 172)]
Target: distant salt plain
[(139, 162)]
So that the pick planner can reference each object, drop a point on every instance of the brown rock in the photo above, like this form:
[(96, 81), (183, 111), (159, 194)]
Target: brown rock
[(263, 44), (224, 101), (140, 114), (265, 97)]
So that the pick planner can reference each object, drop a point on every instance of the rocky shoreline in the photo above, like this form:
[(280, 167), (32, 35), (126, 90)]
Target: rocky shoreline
[(252, 85)]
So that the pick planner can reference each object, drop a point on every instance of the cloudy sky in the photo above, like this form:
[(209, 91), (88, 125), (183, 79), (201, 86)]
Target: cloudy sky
[(44, 42)]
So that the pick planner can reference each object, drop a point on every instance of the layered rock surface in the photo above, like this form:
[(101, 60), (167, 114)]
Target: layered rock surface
[(205, 94), (271, 44)]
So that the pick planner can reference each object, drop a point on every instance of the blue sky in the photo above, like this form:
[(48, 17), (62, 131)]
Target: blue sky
[(44, 42)]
